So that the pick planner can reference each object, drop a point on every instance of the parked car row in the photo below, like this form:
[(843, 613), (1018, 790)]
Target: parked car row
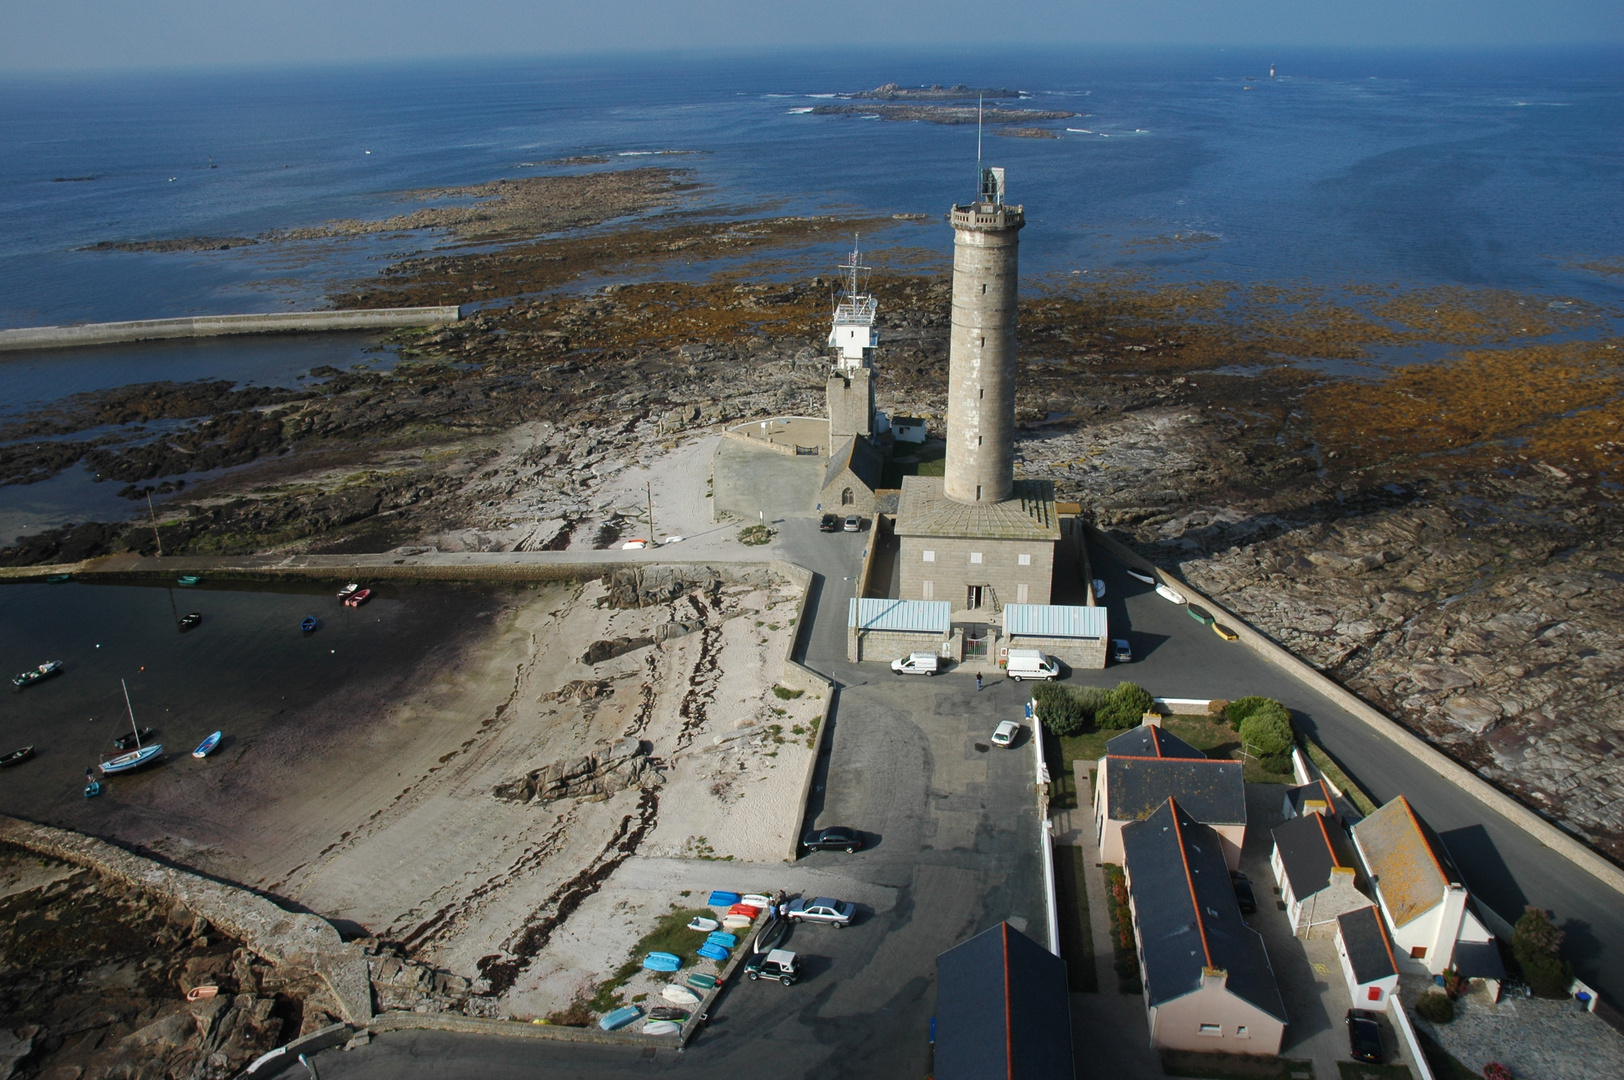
[(833, 523)]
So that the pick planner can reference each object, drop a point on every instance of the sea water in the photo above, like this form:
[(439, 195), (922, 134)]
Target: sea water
[(1404, 169)]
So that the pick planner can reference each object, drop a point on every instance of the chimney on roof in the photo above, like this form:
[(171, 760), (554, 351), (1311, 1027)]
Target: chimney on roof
[(1151, 719)]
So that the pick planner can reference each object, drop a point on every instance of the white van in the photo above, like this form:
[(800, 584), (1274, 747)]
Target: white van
[(919, 663), (1031, 664)]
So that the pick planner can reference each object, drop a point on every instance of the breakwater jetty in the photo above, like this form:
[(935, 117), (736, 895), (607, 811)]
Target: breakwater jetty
[(197, 326)]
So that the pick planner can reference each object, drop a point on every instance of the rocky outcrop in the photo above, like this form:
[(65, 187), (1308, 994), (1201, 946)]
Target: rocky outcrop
[(609, 648), (399, 982), (599, 775)]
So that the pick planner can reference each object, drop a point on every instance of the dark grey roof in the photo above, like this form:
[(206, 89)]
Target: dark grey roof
[(1188, 918), (1309, 847), (885, 501), (1369, 949), (1318, 791), (1003, 1010), (859, 456), (1214, 792), (1479, 960), (1148, 740)]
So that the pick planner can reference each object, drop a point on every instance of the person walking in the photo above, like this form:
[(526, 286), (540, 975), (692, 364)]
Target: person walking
[(978, 682)]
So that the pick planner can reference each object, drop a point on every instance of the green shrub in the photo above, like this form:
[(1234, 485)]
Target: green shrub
[(1069, 710), (1239, 709), (1267, 731), (1537, 943), (1438, 1008), (1217, 707), (1125, 707), (1059, 709)]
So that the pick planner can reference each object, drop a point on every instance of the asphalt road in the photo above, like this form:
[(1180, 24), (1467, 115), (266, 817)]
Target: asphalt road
[(1505, 868), (952, 831)]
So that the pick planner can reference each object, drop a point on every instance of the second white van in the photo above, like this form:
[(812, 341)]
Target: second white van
[(1031, 664)]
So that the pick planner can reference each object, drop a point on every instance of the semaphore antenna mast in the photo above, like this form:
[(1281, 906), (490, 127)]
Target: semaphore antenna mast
[(979, 99)]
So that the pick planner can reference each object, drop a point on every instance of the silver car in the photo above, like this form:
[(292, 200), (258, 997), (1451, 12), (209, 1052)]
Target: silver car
[(822, 910)]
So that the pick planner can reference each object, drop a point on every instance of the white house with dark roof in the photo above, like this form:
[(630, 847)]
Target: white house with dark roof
[(1421, 894), (1315, 867), (1208, 983), (1144, 767), (1369, 960)]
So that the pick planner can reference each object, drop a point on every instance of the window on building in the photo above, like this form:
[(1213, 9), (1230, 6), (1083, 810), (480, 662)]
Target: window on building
[(927, 590), (981, 393), (983, 288), (1241, 1032), (1024, 560), (1418, 952), (978, 440), (1215, 1030), (978, 493), (972, 598), (983, 343), (847, 498), (975, 556), (930, 556), (1373, 994)]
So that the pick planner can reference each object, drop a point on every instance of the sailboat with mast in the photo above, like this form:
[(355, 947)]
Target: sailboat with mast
[(138, 757)]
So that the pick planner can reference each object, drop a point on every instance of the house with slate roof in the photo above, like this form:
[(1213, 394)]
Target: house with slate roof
[(1315, 867), (1003, 1010), (1421, 893), (1207, 980), (1369, 961), (1144, 767), (1312, 798)]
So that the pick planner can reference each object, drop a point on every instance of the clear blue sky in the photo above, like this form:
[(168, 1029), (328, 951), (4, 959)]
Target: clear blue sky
[(111, 34)]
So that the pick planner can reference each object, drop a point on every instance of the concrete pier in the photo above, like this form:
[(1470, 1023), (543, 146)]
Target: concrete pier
[(57, 337)]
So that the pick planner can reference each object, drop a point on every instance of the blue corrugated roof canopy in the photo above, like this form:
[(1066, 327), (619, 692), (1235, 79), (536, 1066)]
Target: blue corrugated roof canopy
[(908, 616), (1054, 620)]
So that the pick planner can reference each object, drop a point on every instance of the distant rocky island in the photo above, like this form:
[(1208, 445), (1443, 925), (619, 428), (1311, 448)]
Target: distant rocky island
[(934, 92), (942, 114)]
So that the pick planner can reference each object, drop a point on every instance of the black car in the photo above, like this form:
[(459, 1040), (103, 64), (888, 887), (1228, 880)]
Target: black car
[(829, 523), (1243, 892), (1364, 1036), (835, 839)]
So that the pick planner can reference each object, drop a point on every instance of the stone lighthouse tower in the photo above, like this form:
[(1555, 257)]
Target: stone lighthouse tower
[(981, 355)]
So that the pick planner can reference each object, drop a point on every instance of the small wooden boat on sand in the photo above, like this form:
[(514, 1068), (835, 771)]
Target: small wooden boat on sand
[(756, 899), (1170, 594), (702, 982), (57, 579), (668, 1012), (680, 995), (662, 1027), (712, 952), (124, 742), (189, 580), (661, 961), (614, 1021), (16, 757), (133, 760), (357, 598), (92, 789), (722, 898), (34, 675), (704, 925), (348, 591), (190, 620), (207, 746), (308, 624)]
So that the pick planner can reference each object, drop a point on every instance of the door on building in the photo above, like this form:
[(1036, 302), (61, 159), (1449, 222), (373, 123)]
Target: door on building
[(976, 641), (973, 597)]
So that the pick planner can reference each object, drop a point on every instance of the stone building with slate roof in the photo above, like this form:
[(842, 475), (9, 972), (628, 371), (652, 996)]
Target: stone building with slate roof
[(976, 556), (1369, 961), (1003, 1010), (1418, 888), (1208, 984), (1314, 865), (1145, 767), (851, 478)]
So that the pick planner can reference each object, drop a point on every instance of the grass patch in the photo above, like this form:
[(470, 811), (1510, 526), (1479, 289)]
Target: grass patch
[(1364, 1070), (1076, 939), (670, 934), (755, 536), (1233, 1066), (1333, 772), (930, 459), (1063, 794), (1444, 1065), (784, 693)]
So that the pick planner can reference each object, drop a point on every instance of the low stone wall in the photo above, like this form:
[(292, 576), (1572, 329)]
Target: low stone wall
[(1274, 653), (1085, 653), (282, 937), (57, 337)]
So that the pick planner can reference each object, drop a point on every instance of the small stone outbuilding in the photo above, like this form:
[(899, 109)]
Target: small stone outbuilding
[(852, 475), (1074, 635), (882, 629), (1369, 964)]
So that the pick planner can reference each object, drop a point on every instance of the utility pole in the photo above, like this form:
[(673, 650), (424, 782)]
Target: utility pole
[(156, 538), (649, 487)]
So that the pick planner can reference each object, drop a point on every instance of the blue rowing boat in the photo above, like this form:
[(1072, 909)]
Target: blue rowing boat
[(661, 961), (712, 952), (206, 746), (309, 624), (618, 1019)]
